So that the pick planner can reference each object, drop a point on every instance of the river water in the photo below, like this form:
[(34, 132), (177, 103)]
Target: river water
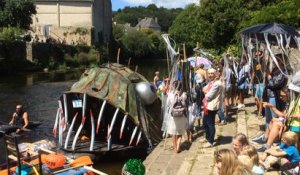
[(39, 92)]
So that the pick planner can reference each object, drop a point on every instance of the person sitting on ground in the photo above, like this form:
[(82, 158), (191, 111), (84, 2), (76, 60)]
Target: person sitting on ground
[(227, 163), (211, 105), (276, 125), (246, 161), (251, 152), (290, 114), (286, 152), (239, 141), (276, 81), (20, 118)]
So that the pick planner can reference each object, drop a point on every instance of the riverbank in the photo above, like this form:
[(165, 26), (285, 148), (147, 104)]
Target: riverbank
[(196, 160)]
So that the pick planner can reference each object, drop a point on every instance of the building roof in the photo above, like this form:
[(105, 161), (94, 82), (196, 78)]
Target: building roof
[(148, 23)]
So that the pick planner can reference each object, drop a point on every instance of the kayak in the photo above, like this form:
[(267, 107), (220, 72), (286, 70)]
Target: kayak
[(7, 129)]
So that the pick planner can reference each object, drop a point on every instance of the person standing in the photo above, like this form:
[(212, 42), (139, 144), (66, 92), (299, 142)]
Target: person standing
[(156, 80), (211, 104), (20, 118), (258, 80), (177, 124), (243, 82), (201, 73)]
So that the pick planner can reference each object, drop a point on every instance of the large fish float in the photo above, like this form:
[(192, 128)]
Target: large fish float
[(110, 108)]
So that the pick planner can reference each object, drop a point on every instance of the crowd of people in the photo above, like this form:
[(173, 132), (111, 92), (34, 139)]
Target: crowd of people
[(215, 91)]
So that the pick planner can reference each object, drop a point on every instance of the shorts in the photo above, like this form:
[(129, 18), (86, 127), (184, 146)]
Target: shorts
[(228, 91), (259, 90), (244, 85), (244, 92), (233, 90)]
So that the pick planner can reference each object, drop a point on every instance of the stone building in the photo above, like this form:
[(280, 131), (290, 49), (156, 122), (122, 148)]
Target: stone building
[(73, 21), (148, 23)]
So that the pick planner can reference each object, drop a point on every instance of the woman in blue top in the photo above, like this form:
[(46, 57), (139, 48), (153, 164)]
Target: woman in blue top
[(286, 152)]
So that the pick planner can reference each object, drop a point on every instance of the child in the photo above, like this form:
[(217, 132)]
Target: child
[(156, 81), (227, 163), (250, 151), (284, 153), (238, 142)]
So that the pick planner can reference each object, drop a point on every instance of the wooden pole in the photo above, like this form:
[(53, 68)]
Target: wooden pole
[(184, 53), (168, 63), (118, 56), (136, 68), (129, 61)]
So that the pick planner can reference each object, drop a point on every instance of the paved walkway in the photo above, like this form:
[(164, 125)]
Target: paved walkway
[(194, 160)]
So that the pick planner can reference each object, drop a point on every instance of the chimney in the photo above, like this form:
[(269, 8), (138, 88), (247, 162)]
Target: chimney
[(155, 19)]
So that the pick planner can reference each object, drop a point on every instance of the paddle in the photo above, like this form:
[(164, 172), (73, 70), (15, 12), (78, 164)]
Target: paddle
[(82, 160)]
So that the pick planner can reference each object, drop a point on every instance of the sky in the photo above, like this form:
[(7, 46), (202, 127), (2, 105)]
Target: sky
[(120, 4)]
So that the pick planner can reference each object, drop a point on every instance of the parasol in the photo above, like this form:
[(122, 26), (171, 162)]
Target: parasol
[(196, 61)]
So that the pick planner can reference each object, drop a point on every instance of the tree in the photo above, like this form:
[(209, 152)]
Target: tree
[(136, 43), (16, 13), (185, 28), (215, 23), (286, 12)]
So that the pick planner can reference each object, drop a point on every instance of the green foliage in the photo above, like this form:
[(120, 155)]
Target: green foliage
[(83, 58), (286, 11), (93, 56), (16, 13), (52, 63), (216, 24), (9, 33), (137, 43), (118, 32), (185, 28), (62, 67), (134, 167), (213, 24)]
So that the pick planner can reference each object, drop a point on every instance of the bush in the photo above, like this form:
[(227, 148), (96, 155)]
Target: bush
[(83, 58), (93, 56), (10, 33), (136, 43)]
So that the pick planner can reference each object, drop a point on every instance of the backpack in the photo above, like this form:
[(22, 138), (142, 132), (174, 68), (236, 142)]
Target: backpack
[(178, 110)]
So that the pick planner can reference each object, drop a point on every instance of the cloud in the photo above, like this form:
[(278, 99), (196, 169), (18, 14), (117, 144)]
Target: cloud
[(162, 3)]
